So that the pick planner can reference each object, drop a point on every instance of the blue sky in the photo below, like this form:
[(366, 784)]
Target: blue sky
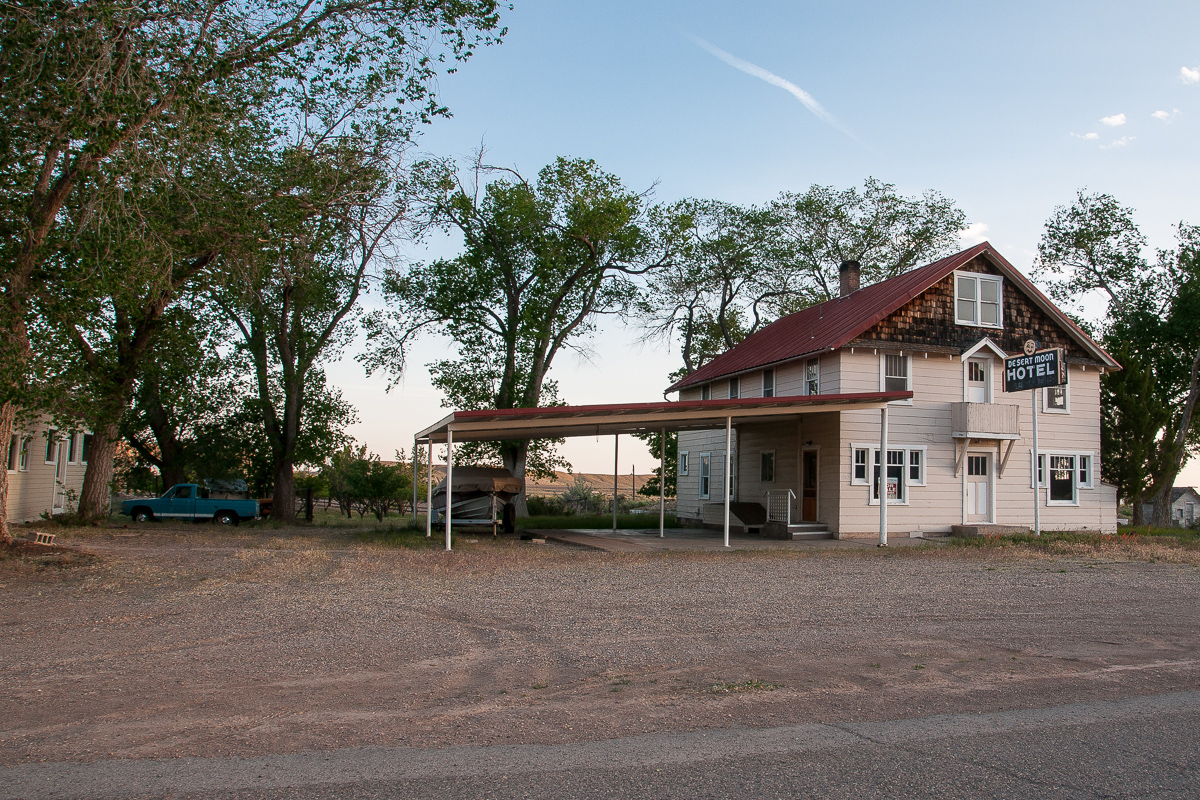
[(1008, 108)]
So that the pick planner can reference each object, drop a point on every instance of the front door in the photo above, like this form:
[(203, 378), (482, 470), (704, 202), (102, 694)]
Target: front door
[(808, 487), (977, 379), (979, 487)]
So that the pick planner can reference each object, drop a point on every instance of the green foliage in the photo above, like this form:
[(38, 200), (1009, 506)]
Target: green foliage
[(654, 443), (541, 261), (739, 268), (358, 481)]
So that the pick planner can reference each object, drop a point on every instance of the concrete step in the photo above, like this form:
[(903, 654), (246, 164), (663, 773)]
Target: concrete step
[(809, 530)]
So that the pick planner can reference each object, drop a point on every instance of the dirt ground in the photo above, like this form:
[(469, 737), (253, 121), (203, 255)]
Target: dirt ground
[(194, 641)]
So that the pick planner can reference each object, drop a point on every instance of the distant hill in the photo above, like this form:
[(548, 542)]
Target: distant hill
[(597, 481)]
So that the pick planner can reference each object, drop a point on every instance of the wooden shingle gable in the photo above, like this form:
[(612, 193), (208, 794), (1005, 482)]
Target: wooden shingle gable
[(927, 322)]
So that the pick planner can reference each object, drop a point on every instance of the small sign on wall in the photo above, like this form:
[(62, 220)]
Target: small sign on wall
[(1037, 370)]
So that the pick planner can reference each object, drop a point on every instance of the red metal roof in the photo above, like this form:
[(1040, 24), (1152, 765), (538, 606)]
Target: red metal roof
[(834, 323)]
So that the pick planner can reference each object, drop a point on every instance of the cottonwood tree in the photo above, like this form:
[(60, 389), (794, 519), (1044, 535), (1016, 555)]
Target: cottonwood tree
[(743, 267), (82, 84), (1152, 325), (542, 261)]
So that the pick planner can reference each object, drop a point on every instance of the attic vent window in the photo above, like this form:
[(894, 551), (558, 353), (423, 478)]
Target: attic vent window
[(977, 300)]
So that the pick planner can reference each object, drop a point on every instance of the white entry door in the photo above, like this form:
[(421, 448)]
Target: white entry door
[(979, 487), (978, 372)]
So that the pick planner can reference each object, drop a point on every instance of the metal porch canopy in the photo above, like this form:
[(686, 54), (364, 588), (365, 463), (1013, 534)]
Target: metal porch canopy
[(556, 422)]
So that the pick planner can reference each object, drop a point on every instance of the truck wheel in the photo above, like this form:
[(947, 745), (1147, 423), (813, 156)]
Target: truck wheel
[(225, 518), (142, 515)]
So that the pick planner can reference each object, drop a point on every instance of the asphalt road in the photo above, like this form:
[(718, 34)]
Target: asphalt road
[(1143, 747)]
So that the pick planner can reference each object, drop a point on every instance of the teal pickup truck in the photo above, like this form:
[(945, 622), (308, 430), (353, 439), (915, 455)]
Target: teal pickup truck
[(190, 501)]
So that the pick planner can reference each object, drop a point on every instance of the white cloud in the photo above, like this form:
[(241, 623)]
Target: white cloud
[(1114, 120), (770, 77), (1164, 116), (1189, 75), (975, 233), (1091, 136), (1124, 140)]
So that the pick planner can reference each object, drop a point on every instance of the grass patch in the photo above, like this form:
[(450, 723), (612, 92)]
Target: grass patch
[(753, 685), (597, 522), (394, 535), (1162, 544)]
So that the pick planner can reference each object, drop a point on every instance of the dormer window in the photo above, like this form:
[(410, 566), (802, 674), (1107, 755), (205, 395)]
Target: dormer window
[(977, 300)]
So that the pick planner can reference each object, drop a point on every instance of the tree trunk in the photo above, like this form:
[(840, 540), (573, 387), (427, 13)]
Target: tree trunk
[(1161, 516), (8, 414), (1162, 503), (283, 502), (515, 457), (96, 495), (1139, 511)]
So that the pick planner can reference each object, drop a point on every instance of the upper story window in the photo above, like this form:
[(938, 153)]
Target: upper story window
[(768, 383), (14, 446), (71, 449), (23, 454), (895, 373), (812, 376), (977, 300), (735, 388), (1056, 400), (52, 446), (706, 392), (85, 448)]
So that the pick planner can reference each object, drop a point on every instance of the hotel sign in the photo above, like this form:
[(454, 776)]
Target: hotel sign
[(1035, 371)]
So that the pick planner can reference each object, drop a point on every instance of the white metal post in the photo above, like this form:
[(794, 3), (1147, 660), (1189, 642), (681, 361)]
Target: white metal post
[(662, 485), (616, 469), (1037, 510), (429, 494), (728, 471), (883, 444), (449, 479), (416, 466)]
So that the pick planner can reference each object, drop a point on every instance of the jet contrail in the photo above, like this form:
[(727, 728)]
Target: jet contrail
[(804, 97)]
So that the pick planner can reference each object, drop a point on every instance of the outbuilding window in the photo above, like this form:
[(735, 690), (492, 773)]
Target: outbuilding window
[(683, 462), (977, 300)]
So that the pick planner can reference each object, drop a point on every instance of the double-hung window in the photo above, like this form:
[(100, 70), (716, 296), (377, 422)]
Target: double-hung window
[(1067, 474), (812, 376), (1055, 400), (977, 300), (71, 449), (14, 447), (705, 475), (895, 374), (706, 392), (905, 468), (52, 442), (23, 454), (735, 388), (683, 462), (766, 472), (768, 383)]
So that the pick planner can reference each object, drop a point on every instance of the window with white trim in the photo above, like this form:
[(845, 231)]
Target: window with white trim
[(683, 462), (706, 392), (705, 475), (85, 449), (906, 467), (977, 300), (735, 388), (768, 383), (766, 466), (812, 376), (51, 446), (71, 450), (1056, 400), (1068, 473), (23, 454), (895, 374)]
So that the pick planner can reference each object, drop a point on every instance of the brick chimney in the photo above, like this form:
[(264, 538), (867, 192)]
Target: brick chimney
[(848, 277)]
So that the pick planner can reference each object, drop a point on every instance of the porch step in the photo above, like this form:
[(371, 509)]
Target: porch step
[(987, 530), (809, 530)]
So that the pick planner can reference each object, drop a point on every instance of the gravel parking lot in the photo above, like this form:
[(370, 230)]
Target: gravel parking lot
[(190, 640)]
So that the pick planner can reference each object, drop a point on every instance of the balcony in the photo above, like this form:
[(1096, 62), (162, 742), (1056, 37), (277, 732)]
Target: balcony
[(985, 421)]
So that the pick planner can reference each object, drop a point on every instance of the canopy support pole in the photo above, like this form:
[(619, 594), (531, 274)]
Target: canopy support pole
[(616, 469), (728, 471), (429, 494), (662, 485), (416, 466), (883, 482), (449, 481)]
